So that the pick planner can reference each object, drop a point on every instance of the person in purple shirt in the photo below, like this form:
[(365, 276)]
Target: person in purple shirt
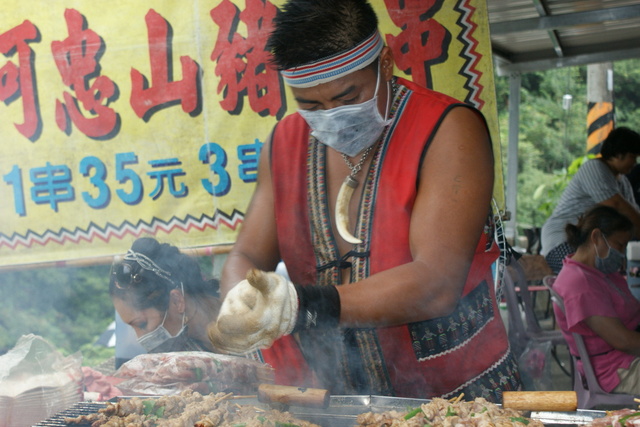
[(598, 303)]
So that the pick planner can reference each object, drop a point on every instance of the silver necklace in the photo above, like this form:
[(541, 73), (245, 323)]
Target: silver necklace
[(347, 188), (358, 166), (349, 185)]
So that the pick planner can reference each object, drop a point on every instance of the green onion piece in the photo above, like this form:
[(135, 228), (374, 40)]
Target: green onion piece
[(626, 417), (198, 373), (485, 409), (240, 425), (160, 412), (278, 424), (450, 412), (413, 413), (147, 407), (520, 420), (261, 419)]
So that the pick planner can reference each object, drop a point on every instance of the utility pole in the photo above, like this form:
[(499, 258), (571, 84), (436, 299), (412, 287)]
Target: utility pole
[(600, 114)]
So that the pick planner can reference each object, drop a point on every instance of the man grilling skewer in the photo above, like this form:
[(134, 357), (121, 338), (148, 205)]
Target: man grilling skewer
[(376, 196)]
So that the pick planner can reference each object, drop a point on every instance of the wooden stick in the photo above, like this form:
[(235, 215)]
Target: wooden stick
[(221, 398), (458, 398), (301, 396), (564, 401)]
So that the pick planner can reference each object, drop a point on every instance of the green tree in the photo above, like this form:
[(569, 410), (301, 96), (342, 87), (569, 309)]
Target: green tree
[(67, 306), (552, 140), (626, 93)]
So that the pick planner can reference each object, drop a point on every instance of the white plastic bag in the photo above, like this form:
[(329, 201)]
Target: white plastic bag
[(201, 371), (36, 382), (535, 366)]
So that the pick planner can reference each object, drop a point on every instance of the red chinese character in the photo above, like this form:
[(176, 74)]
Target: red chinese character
[(19, 80), (164, 91), (242, 63), (423, 41), (77, 59)]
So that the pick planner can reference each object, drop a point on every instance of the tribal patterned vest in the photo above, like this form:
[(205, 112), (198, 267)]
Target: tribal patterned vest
[(464, 352)]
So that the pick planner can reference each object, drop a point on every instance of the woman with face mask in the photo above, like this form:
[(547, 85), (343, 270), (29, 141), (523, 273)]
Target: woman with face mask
[(598, 303), (162, 294)]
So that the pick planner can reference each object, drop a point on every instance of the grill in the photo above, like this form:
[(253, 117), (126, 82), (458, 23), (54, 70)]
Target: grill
[(80, 408), (342, 411)]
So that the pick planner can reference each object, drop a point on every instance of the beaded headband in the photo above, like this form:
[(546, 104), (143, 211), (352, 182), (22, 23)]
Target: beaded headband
[(147, 263), (336, 66)]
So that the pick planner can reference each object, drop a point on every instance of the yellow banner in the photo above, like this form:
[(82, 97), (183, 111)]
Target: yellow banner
[(121, 119)]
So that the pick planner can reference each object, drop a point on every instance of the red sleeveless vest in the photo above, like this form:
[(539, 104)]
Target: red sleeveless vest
[(466, 351)]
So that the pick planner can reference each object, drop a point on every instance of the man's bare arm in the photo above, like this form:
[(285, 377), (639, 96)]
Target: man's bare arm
[(257, 243), (454, 197), (625, 208)]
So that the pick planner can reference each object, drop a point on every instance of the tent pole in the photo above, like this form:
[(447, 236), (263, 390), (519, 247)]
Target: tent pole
[(515, 82)]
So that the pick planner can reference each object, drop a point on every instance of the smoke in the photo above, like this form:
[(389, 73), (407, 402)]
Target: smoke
[(68, 306)]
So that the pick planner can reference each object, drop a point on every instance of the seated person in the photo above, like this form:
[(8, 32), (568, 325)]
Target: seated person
[(598, 181), (598, 303), (162, 294)]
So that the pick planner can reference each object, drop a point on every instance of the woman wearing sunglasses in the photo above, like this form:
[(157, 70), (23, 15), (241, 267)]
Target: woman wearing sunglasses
[(162, 294)]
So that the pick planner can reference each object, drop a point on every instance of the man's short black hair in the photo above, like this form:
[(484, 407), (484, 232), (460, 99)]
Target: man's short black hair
[(308, 30), (621, 140)]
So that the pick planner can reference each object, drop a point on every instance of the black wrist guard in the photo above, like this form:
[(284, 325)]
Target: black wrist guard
[(318, 307)]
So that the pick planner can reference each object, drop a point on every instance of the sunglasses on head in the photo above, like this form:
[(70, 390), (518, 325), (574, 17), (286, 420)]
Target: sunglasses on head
[(127, 274)]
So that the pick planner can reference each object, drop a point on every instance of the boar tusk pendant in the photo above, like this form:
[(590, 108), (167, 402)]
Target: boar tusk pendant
[(342, 209)]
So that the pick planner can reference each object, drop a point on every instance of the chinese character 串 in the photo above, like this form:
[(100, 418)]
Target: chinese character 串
[(52, 185), (248, 155), (423, 41)]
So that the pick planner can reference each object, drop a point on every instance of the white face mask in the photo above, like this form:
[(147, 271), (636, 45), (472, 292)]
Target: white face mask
[(611, 263), (349, 129), (160, 336)]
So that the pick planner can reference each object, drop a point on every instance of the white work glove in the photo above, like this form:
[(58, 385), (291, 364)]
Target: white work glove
[(255, 313)]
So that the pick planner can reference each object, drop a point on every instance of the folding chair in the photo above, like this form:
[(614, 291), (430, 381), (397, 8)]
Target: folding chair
[(585, 384), (548, 281), (522, 331)]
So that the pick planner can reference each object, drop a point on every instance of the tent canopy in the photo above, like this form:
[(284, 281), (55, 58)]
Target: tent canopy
[(535, 35)]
